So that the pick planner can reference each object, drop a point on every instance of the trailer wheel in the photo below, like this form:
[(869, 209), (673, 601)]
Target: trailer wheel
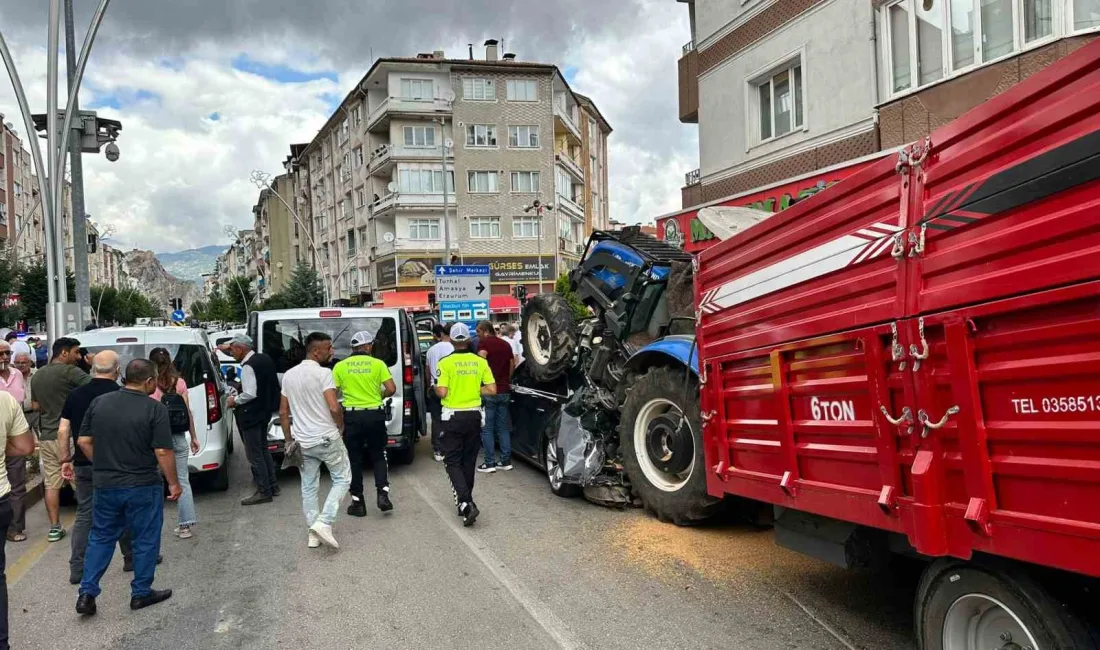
[(661, 437), (549, 336), (978, 605)]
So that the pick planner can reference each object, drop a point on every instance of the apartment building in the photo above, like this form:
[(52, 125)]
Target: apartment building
[(479, 140), (791, 96), (21, 212), (273, 228)]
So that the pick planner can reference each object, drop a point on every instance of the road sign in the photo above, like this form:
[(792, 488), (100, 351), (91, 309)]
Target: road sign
[(462, 283), (178, 316), (462, 292)]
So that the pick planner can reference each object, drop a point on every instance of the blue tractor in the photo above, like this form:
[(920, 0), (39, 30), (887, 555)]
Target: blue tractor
[(611, 399)]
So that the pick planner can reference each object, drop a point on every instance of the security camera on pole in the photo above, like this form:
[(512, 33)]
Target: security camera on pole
[(62, 317)]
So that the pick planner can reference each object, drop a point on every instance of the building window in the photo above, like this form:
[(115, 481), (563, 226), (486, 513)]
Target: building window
[(931, 39), (416, 89), (483, 182), (358, 157), (351, 242), (523, 90), (344, 130), (1086, 14), (423, 229), (479, 90), (779, 102), (419, 136), (423, 181), (347, 160), (357, 115), (525, 182), (18, 189), (481, 135), (523, 137), (485, 228), (360, 199), (525, 227)]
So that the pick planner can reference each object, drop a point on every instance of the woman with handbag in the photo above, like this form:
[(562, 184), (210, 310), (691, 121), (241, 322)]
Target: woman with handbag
[(172, 392)]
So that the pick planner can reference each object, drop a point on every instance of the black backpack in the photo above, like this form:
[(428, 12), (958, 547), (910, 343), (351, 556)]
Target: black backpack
[(179, 417)]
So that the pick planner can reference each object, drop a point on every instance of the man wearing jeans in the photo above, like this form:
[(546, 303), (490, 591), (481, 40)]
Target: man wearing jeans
[(15, 440), (502, 362), (309, 394), (127, 437)]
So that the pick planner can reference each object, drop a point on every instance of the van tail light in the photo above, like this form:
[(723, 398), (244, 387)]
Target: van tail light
[(408, 375), (408, 408), (213, 406)]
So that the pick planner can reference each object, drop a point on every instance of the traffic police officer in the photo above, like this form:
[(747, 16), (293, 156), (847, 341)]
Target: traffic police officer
[(364, 382), (464, 378)]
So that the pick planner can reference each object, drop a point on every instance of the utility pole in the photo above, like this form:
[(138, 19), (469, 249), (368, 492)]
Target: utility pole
[(446, 221), (80, 229)]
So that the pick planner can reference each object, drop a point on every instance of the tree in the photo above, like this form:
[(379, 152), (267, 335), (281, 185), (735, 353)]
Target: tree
[(277, 301), (9, 279), (218, 309), (105, 302), (304, 288), (561, 287), (34, 292), (198, 310), (240, 296), (133, 305)]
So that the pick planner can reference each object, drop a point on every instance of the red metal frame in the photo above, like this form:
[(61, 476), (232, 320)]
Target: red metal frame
[(960, 281)]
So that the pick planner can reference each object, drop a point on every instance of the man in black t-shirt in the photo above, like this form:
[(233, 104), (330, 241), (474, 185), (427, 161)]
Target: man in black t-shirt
[(127, 437), (105, 372)]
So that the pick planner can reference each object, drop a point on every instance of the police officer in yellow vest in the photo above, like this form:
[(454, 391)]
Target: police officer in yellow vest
[(365, 382), (464, 378)]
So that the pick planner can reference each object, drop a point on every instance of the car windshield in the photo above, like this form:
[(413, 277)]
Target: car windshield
[(284, 340), (192, 361)]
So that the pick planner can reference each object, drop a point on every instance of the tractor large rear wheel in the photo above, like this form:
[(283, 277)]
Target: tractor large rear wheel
[(662, 442), (549, 336)]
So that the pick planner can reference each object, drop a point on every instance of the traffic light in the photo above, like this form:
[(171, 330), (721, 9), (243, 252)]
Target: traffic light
[(431, 298), (519, 292)]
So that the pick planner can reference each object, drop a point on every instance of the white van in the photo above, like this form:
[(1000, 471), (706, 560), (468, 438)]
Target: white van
[(190, 350), (281, 334)]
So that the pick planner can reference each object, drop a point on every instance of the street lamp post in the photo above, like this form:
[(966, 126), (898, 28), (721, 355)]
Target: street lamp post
[(263, 181), (539, 207), (53, 172)]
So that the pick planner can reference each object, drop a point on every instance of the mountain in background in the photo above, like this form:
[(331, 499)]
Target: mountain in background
[(191, 264), (155, 282)]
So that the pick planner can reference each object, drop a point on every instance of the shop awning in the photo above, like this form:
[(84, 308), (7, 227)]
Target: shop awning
[(503, 305), (411, 300)]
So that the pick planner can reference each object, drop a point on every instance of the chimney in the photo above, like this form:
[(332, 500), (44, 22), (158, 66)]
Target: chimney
[(438, 54), (491, 49), (471, 51), (509, 56)]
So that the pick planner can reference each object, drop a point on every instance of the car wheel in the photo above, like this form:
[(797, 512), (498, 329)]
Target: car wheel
[(662, 442), (978, 605), (549, 336), (219, 478), (552, 468)]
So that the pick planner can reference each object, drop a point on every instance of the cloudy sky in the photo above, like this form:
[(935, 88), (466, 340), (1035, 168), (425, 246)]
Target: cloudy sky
[(209, 90)]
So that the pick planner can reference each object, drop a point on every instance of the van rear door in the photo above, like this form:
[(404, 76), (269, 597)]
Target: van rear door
[(414, 357)]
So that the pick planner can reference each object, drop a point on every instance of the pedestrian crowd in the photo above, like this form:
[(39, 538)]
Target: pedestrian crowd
[(118, 435)]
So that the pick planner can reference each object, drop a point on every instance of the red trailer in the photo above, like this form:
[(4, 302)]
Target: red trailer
[(910, 362)]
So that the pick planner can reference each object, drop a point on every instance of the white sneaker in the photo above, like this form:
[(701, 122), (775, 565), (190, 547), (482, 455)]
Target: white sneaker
[(438, 457), (314, 540), (324, 532)]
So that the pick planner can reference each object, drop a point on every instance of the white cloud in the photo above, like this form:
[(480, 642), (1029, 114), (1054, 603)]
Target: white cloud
[(183, 176)]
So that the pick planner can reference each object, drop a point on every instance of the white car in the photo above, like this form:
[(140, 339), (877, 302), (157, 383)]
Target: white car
[(190, 350), (281, 334), (224, 360)]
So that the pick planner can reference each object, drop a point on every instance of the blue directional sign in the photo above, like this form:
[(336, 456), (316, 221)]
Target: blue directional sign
[(462, 293), (178, 316)]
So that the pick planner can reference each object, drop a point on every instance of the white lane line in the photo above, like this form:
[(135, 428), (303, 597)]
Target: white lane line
[(550, 623), (825, 626)]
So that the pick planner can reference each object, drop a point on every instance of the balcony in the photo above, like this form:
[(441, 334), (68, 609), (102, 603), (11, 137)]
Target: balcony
[(691, 178), (381, 160), (569, 165), (688, 77), (570, 208), (409, 200), (379, 118), (563, 121)]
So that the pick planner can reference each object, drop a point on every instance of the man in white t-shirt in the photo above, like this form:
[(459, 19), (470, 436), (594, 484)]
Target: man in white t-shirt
[(441, 348), (511, 334), (309, 394)]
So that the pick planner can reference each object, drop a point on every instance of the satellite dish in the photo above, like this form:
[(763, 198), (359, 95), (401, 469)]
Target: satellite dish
[(727, 221), (388, 237), (392, 187), (448, 95), (449, 143)]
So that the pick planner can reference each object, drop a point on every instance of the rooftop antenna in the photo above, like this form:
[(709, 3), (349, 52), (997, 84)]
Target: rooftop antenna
[(471, 51)]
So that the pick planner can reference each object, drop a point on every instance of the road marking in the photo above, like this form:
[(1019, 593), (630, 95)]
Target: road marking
[(550, 623), (35, 552), (825, 626)]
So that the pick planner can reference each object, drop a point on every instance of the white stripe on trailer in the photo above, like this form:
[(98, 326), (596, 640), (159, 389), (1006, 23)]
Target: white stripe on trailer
[(818, 261)]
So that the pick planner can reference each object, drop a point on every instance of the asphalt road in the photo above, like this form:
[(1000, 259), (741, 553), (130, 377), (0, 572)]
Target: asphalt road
[(535, 572)]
